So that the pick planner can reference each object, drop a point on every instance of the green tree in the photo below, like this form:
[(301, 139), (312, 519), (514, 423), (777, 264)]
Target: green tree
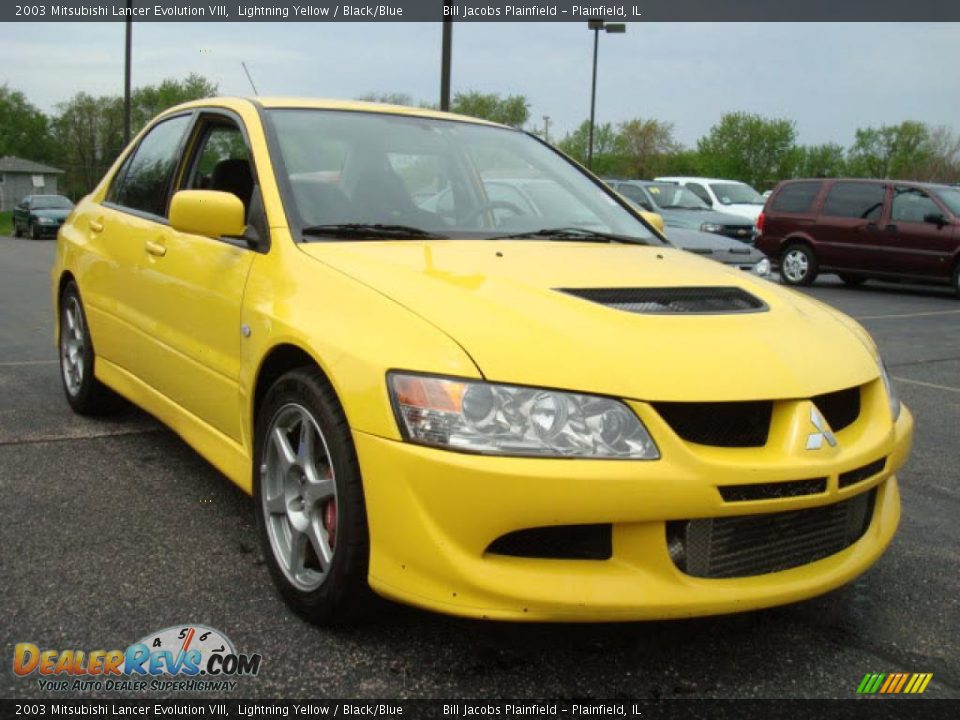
[(148, 101), (24, 130), (748, 147), (510, 110), (646, 145), (608, 153), (390, 98), (890, 151), (819, 161), (89, 136)]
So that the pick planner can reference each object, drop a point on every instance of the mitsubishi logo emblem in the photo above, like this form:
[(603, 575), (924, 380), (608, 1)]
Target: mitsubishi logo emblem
[(815, 439)]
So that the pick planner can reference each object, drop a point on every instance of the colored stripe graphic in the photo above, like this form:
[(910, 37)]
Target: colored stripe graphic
[(894, 683)]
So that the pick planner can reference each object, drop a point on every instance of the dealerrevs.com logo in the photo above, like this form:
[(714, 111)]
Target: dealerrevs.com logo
[(177, 658)]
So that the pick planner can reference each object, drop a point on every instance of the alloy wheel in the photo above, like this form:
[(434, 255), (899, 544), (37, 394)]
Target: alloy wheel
[(795, 265), (72, 341), (299, 496)]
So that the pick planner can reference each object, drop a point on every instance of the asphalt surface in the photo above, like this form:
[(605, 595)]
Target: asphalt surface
[(111, 529)]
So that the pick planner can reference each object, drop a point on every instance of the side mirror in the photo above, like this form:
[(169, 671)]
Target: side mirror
[(935, 219), (654, 219), (207, 212)]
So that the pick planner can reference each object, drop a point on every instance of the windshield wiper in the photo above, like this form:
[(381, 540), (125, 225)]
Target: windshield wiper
[(372, 231), (572, 233)]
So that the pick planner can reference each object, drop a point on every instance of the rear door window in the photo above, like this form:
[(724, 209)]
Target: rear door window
[(796, 197), (855, 200)]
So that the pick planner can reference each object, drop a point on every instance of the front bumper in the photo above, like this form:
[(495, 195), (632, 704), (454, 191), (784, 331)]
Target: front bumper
[(433, 514)]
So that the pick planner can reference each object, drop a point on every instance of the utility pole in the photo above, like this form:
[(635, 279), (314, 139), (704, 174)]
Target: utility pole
[(445, 54), (126, 74), (546, 128)]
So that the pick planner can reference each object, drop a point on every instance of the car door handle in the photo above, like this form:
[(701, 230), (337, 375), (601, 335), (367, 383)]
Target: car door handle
[(156, 248), (891, 228), (96, 226)]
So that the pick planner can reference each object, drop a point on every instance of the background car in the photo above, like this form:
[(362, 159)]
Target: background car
[(680, 208), (861, 229), (730, 196), (721, 249), (39, 215)]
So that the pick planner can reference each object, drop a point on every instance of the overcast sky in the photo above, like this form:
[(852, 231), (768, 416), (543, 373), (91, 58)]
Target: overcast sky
[(829, 78)]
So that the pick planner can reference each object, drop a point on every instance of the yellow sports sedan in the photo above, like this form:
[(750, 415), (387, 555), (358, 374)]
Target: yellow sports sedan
[(452, 367)]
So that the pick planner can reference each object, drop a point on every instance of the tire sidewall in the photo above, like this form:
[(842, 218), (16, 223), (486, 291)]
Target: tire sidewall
[(82, 399), (811, 273), (329, 603)]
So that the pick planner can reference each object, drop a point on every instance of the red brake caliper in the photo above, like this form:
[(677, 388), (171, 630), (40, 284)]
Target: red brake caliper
[(330, 521)]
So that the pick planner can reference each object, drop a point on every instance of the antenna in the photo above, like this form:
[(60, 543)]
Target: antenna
[(249, 78)]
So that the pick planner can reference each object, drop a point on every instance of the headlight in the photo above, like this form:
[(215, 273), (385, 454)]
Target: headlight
[(45, 221), (711, 228), (891, 394), (480, 417), (762, 267)]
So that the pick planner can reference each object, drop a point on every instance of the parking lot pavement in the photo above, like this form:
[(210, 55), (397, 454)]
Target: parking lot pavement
[(111, 529)]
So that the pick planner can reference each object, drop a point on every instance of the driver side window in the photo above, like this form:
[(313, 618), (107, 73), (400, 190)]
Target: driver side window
[(701, 192)]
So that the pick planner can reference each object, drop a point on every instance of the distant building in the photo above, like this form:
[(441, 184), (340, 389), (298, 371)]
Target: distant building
[(19, 178)]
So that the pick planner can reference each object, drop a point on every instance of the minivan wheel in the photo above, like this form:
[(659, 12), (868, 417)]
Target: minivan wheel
[(956, 280), (798, 265), (309, 501), (86, 394)]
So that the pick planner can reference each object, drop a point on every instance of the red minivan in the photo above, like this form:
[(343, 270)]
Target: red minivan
[(861, 229)]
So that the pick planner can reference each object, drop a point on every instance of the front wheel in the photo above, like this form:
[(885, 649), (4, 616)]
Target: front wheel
[(309, 500), (798, 265), (34, 231)]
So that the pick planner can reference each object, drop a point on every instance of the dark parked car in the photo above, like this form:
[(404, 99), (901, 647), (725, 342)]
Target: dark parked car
[(680, 208), (39, 215), (719, 248), (862, 229)]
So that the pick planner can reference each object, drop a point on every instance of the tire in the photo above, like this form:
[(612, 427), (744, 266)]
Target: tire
[(956, 280), (310, 510), (798, 265), (853, 280), (86, 394)]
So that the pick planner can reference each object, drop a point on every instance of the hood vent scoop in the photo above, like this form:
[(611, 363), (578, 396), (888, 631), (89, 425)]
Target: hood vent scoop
[(673, 300)]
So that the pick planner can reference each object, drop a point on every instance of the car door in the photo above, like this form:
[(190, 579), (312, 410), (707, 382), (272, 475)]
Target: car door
[(132, 212), (192, 286), (919, 235), (21, 211), (848, 230), (700, 191)]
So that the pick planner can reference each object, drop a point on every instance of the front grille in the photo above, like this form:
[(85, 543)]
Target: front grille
[(840, 409), (740, 232), (757, 544), (559, 542), (852, 477), (673, 300), (773, 490), (722, 424)]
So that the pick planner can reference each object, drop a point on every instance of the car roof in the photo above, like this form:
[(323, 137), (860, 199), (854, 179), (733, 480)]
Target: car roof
[(684, 178), (875, 181), (332, 104)]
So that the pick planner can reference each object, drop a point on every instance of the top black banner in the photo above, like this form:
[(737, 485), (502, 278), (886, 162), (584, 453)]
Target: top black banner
[(478, 11)]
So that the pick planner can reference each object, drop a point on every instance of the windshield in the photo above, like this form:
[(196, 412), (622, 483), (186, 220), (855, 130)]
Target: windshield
[(736, 193), (675, 197), (950, 198), (455, 179), (50, 202)]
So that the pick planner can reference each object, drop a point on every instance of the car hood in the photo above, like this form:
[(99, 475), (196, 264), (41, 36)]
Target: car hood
[(743, 210), (501, 302), (51, 213), (695, 218), (713, 246)]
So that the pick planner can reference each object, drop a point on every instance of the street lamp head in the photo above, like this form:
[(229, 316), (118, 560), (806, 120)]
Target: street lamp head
[(595, 24), (615, 27)]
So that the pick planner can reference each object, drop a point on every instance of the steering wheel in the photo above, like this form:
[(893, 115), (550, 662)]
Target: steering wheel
[(493, 205)]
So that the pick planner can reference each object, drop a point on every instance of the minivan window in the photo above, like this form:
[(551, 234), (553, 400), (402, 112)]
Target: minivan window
[(736, 193), (142, 184), (855, 200), (912, 205), (951, 198), (796, 197)]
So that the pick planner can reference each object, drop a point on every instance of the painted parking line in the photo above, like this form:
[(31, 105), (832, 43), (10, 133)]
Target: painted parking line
[(18, 363), (948, 388), (908, 315)]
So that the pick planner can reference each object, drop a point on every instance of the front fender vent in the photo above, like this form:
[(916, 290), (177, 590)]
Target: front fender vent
[(673, 300)]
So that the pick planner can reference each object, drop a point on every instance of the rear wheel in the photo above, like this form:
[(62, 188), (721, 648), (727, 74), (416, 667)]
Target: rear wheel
[(798, 265), (309, 500), (86, 394), (852, 280), (956, 279)]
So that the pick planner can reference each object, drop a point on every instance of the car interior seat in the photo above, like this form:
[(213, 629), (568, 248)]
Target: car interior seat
[(233, 176)]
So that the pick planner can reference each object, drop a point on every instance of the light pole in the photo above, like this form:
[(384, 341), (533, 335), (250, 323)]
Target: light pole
[(445, 53), (546, 128), (596, 24), (126, 74)]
